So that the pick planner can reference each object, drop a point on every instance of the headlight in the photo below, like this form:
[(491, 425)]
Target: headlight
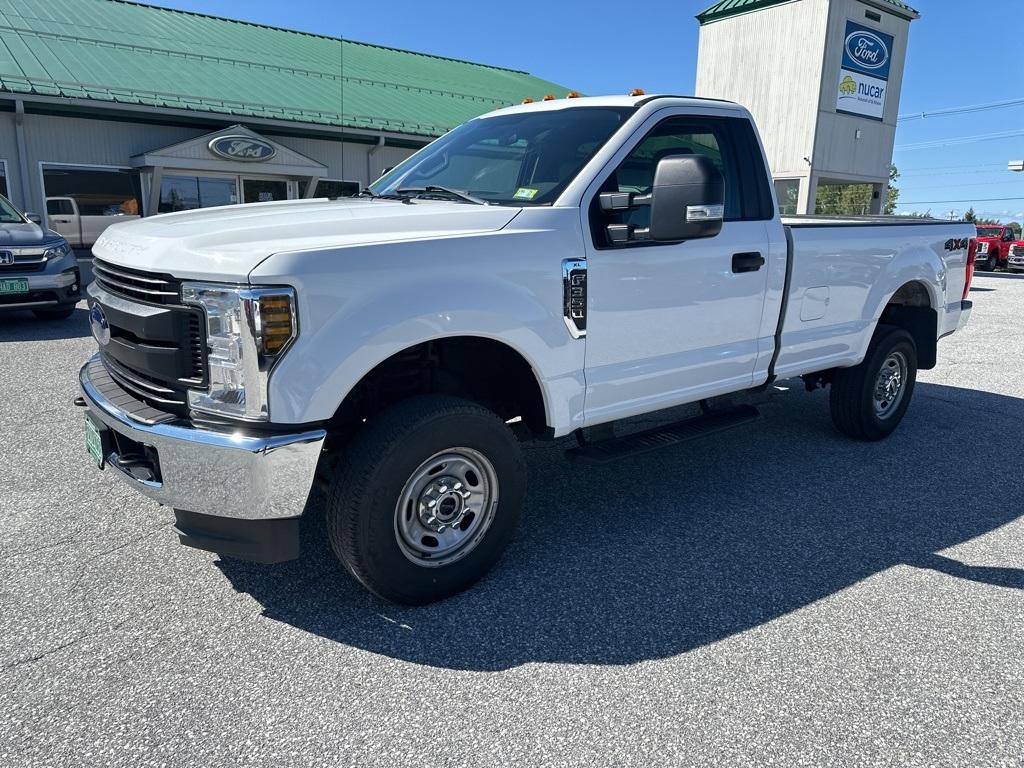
[(56, 251), (247, 331), (982, 247)]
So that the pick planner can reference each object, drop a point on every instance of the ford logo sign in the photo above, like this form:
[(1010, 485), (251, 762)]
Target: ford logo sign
[(243, 148), (99, 326), (867, 49)]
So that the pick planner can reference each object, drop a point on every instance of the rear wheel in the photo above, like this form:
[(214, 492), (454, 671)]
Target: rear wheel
[(427, 498), (61, 313), (868, 401)]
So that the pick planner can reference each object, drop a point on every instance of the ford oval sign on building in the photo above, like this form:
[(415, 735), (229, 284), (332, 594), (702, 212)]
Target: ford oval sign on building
[(864, 75), (243, 148)]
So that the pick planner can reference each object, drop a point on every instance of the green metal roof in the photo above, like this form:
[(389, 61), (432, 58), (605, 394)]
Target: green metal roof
[(724, 8), (128, 53)]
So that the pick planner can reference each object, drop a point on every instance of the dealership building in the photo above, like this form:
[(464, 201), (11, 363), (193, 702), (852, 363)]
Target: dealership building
[(822, 79), (128, 109)]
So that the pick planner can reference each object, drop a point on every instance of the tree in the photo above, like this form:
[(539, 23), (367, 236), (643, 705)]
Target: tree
[(970, 216), (1015, 226), (893, 193)]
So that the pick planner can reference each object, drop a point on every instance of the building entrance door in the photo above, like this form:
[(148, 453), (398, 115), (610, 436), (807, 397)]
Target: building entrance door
[(264, 190)]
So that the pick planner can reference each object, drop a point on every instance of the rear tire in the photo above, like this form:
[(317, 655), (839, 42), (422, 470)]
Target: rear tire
[(868, 401), (426, 499), (61, 313)]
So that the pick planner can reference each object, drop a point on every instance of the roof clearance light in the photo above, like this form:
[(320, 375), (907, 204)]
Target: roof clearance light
[(572, 95), (527, 100), (549, 97), (637, 92)]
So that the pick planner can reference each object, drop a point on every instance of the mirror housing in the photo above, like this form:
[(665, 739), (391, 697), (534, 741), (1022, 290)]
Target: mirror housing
[(687, 199), (35, 218)]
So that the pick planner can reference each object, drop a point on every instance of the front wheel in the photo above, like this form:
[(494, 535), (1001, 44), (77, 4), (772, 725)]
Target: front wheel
[(993, 262), (868, 401), (427, 499)]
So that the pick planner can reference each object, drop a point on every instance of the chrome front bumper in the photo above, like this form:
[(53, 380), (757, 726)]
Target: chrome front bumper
[(220, 474)]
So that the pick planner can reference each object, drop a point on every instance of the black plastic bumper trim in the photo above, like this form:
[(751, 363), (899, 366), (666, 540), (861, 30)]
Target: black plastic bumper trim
[(261, 541)]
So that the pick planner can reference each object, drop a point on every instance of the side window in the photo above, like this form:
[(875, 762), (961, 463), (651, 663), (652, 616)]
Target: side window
[(730, 145), (59, 208)]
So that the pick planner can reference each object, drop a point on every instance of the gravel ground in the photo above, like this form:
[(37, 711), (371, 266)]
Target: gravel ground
[(776, 595)]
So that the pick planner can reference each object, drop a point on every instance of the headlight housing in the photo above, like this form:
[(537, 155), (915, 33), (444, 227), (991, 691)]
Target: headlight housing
[(982, 247), (57, 251), (247, 332)]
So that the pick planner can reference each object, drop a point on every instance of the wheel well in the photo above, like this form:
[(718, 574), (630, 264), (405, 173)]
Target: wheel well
[(485, 371), (911, 308)]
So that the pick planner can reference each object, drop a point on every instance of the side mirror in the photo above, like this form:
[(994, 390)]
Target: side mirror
[(35, 218), (687, 202), (687, 199)]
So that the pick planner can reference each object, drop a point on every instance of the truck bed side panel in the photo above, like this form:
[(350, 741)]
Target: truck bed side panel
[(843, 277)]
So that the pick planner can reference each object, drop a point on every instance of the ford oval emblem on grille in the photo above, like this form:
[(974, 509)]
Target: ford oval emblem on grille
[(99, 326)]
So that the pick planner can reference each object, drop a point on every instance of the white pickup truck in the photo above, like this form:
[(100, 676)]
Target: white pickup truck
[(542, 271)]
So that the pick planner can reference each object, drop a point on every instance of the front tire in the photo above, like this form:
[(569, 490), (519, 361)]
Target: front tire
[(427, 498), (992, 262), (868, 401)]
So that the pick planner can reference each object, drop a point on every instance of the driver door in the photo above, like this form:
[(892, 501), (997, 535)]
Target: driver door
[(670, 323)]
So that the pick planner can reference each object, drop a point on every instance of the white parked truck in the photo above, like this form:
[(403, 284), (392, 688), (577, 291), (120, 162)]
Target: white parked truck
[(542, 271), (80, 228)]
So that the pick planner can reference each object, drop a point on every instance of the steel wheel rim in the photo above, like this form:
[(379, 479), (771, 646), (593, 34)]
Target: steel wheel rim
[(446, 507), (890, 385)]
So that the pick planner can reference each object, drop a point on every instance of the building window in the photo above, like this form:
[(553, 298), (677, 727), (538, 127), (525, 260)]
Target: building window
[(96, 191), (335, 188), (184, 193), (788, 193)]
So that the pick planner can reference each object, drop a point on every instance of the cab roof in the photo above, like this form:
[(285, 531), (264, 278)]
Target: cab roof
[(613, 101)]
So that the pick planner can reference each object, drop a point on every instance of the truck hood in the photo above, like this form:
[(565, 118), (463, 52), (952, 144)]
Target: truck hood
[(228, 243)]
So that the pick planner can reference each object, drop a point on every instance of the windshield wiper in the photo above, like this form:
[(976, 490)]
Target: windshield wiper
[(435, 189)]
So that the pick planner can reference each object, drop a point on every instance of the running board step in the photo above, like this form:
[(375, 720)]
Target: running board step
[(607, 451)]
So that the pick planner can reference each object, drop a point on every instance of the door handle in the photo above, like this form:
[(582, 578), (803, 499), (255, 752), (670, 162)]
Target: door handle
[(747, 262)]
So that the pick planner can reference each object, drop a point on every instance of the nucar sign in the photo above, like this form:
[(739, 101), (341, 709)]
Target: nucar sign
[(242, 148)]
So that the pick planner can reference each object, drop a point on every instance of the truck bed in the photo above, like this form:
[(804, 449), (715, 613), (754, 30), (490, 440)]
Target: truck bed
[(842, 271)]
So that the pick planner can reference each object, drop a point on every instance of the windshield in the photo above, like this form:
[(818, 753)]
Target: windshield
[(990, 232), (516, 159), (8, 213)]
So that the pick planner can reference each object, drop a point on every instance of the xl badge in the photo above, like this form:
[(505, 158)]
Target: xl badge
[(99, 326)]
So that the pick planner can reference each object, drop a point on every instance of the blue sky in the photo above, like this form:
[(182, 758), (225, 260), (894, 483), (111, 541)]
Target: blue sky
[(957, 58)]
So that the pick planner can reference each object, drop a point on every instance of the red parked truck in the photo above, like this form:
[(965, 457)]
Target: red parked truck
[(1015, 261), (994, 241)]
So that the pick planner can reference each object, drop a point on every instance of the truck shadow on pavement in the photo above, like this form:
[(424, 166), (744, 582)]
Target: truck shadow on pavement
[(674, 550), (24, 326)]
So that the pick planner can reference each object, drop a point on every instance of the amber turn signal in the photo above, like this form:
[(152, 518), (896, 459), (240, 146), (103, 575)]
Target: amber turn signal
[(277, 323), (637, 92)]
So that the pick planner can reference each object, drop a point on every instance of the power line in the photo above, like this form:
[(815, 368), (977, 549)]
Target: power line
[(939, 143), (960, 110)]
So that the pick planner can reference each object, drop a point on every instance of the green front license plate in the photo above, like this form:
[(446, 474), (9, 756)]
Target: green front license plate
[(94, 442), (18, 285)]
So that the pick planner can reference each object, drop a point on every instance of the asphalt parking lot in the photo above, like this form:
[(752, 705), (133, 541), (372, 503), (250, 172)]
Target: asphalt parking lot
[(776, 595)]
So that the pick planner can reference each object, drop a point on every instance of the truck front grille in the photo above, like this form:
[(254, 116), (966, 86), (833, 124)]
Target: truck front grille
[(157, 347), (137, 285), (1018, 250)]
